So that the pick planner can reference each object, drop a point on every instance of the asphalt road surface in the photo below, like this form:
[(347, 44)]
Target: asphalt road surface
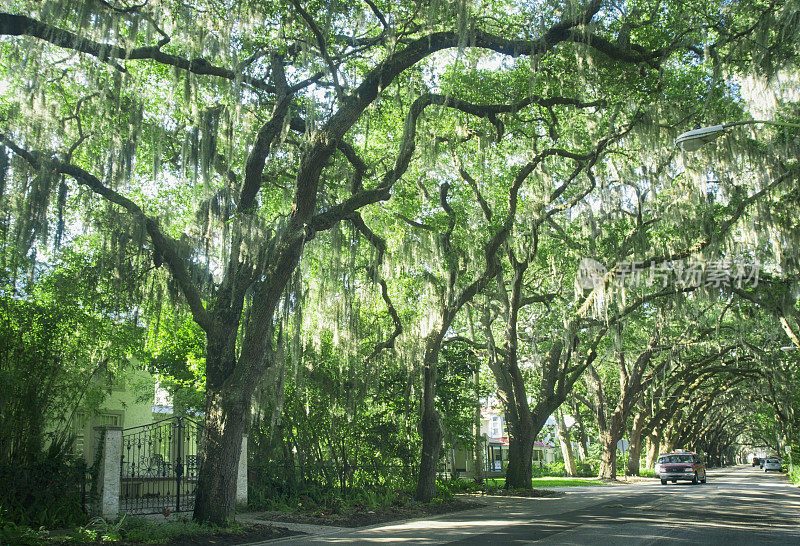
[(738, 505)]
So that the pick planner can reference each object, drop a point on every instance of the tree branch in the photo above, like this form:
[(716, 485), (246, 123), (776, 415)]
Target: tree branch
[(254, 168), (323, 48), (162, 243), (380, 244), (21, 25)]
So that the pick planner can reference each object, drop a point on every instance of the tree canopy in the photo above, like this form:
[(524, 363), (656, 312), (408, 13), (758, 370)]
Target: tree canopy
[(358, 203)]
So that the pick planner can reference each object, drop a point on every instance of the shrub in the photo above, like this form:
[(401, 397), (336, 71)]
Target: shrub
[(587, 468), (647, 472), (45, 491), (21, 535)]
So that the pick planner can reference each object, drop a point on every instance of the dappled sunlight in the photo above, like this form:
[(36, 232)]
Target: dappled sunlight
[(742, 507), (393, 251)]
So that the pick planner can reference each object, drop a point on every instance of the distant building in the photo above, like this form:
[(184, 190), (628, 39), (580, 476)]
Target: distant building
[(495, 447), (132, 399)]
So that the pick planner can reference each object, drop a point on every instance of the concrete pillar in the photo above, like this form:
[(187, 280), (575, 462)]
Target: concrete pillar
[(108, 477), (241, 477)]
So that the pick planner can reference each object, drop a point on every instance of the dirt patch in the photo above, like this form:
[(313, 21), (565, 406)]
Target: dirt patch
[(364, 517), (255, 532), (250, 532)]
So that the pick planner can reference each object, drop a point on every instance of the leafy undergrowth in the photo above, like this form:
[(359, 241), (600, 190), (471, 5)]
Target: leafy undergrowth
[(359, 516), (134, 530), (794, 474)]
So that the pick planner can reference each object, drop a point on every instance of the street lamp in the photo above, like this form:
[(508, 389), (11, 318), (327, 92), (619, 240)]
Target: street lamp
[(693, 140)]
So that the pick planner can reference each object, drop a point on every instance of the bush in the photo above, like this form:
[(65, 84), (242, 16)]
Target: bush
[(555, 470), (143, 530), (21, 535), (443, 490), (587, 468), (794, 471), (584, 469), (45, 491)]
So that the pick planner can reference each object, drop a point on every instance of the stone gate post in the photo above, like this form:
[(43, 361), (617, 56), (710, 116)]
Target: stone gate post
[(109, 470)]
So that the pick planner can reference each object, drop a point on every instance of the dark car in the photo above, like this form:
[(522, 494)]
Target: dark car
[(756, 461), (680, 465)]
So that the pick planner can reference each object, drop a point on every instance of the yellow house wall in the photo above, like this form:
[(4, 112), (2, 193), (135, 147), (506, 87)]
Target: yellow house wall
[(128, 404)]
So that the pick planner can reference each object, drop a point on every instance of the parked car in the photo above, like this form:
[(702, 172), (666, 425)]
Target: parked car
[(680, 465), (773, 463), (756, 461)]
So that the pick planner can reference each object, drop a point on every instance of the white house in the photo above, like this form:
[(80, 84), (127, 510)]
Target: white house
[(495, 447)]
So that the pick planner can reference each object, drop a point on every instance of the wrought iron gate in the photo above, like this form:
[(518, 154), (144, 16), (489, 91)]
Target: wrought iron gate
[(159, 466)]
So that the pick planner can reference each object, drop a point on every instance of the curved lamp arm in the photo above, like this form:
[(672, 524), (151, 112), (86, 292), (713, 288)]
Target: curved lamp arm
[(691, 141)]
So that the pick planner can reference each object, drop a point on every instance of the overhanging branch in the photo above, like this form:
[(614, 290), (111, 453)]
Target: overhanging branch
[(162, 243), (22, 25)]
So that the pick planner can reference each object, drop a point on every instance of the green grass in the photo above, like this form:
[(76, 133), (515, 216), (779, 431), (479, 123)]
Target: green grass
[(564, 482), (548, 482)]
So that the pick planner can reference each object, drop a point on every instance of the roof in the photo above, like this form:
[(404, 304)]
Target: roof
[(503, 440)]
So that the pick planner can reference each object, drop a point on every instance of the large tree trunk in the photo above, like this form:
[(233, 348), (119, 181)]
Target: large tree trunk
[(477, 472), (608, 440), (580, 433), (431, 446), (613, 427), (221, 448), (566, 445), (608, 457), (525, 424), (635, 448), (667, 440), (652, 451), (430, 425), (227, 409), (479, 447), (520, 452)]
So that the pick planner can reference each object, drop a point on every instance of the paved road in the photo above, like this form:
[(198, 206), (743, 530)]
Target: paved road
[(738, 505)]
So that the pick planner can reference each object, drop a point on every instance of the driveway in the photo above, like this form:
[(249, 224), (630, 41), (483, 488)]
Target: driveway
[(738, 505)]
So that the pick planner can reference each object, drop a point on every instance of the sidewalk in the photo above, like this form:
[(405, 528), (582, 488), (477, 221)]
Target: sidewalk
[(499, 512)]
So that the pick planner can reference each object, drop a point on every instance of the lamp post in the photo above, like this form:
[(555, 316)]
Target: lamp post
[(693, 140)]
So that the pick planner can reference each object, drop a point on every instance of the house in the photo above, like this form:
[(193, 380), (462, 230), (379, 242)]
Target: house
[(155, 457), (128, 402), (495, 447), (135, 402), (497, 455)]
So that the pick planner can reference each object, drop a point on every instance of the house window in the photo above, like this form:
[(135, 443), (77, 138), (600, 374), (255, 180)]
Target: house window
[(80, 434), (112, 419), (84, 425), (496, 429)]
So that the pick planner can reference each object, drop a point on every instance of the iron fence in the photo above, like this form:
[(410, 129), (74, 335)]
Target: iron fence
[(159, 466)]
